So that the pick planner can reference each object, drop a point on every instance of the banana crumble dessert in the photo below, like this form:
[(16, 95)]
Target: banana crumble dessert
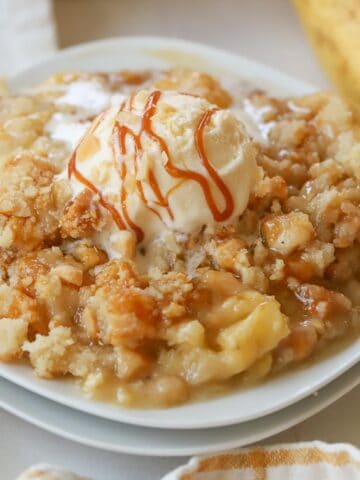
[(162, 237)]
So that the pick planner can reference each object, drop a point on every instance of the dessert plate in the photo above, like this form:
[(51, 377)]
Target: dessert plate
[(241, 405), (117, 437)]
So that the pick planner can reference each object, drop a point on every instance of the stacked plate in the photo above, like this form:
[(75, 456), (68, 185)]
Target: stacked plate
[(239, 418), (120, 436)]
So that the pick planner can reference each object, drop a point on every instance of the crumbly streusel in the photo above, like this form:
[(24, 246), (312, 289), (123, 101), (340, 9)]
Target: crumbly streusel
[(192, 311)]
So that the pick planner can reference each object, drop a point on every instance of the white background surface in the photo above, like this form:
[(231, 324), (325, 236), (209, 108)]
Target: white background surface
[(27, 33), (265, 30)]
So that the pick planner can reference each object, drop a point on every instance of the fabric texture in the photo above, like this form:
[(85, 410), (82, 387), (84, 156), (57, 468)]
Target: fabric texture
[(298, 461), (302, 461), (27, 33)]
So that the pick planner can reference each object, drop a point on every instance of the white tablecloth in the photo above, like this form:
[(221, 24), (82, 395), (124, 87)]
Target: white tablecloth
[(267, 31)]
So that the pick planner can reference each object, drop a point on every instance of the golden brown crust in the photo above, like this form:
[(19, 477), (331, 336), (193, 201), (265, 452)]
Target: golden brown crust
[(30, 203), (81, 217), (195, 83)]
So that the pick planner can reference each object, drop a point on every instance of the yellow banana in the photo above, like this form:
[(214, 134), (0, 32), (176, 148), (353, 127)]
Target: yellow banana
[(333, 27)]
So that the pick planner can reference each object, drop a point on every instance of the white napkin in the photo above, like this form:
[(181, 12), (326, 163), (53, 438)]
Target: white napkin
[(47, 472), (27, 33)]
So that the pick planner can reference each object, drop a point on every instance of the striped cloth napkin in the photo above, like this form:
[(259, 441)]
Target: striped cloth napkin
[(299, 461)]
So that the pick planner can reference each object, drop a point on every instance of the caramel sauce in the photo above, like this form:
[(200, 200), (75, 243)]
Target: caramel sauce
[(218, 215), (122, 132), (73, 171), (176, 172), (119, 147)]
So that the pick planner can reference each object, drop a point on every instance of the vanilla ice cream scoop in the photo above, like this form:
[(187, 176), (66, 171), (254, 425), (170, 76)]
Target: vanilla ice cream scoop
[(165, 160)]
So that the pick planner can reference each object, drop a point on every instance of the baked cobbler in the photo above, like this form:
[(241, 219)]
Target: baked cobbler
[(162, 238)]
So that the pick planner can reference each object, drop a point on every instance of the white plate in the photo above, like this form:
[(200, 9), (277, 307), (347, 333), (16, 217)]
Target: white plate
[(118, 437), (242, 405)]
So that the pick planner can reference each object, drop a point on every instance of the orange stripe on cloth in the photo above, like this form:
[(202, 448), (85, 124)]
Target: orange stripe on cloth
[(259, 459)]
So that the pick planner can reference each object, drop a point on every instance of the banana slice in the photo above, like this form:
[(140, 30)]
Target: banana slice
[(333, 27)]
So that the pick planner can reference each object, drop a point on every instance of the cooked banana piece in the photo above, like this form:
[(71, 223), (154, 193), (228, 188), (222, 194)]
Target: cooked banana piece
[(333, 27)]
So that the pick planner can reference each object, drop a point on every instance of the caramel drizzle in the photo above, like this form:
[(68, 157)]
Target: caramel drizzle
[(120, 134), (218, 215), (176, 172), (72, 170)]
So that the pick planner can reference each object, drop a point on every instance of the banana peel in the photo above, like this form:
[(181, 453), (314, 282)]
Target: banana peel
[(333, 27)]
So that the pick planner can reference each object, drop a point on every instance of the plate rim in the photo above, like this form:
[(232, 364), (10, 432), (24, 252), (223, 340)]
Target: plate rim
[(79, 402), (338, 388), (150, 43)]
